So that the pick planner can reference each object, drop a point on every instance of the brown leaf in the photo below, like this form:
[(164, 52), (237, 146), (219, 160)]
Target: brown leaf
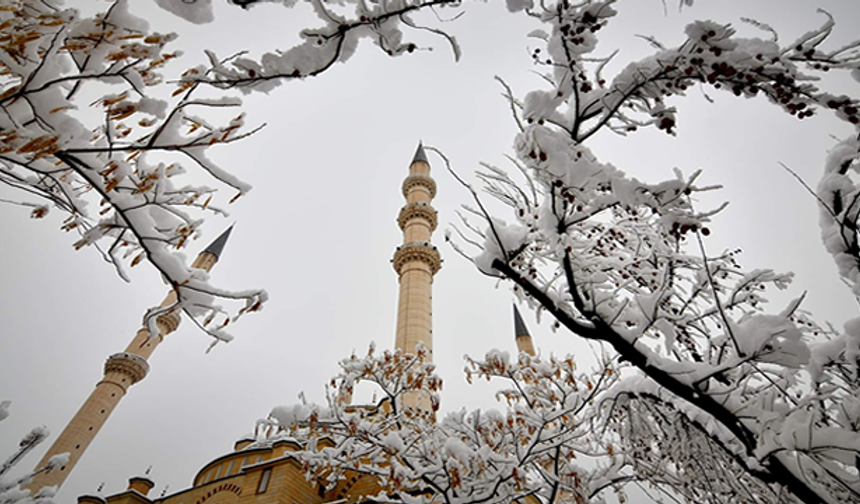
[(37, 144), (111, 185), (39, 212), (137, 259)]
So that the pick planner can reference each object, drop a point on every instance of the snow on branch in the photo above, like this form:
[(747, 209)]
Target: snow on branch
[(729, 402), (116, 182), (10, 488), (344, 24), (541, 448)]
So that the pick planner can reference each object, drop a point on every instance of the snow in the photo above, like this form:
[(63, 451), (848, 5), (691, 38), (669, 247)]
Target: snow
[(196, 11), (771, 339), (58, 460), (502, 239), (519, 5)]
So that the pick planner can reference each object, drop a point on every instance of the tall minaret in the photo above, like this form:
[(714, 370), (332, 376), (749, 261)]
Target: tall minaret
[(121, 371), (417, 260)]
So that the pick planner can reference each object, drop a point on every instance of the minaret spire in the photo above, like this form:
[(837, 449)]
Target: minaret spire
[(420, 155), (121, 371), (216, 247), (521, 334)]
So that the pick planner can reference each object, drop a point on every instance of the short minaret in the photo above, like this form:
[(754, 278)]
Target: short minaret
[(417, 260), (521, 334), (121, 371)]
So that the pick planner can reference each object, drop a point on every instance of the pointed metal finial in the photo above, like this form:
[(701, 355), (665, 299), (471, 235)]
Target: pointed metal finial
[(522, 336), (216, 247), (520, 328), (420, 155)]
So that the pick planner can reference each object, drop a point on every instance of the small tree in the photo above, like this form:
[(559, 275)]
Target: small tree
[(544, 447)]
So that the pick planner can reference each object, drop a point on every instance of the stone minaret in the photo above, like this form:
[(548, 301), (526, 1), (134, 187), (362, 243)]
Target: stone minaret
[(417, 260), (121, 371), (521, 334)]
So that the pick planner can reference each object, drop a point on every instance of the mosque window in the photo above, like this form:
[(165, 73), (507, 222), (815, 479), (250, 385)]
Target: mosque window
[(218, 472), (244, 462), (264, 480), (230, 467), (259, 459)]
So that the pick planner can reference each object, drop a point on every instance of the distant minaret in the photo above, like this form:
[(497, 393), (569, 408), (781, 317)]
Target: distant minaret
[(521, 334), (417, 260), (121, 371)]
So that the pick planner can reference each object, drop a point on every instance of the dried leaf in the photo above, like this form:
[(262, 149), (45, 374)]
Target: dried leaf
[(39, 212), (137, 259)]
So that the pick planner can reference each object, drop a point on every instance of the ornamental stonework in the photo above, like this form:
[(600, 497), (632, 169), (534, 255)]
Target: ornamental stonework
[(416, 180), (417, 251), (133, 366), (417, 210), (167, 322)]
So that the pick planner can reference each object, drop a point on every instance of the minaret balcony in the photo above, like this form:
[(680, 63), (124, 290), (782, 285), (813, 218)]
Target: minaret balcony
[(168, 322), (418, 210), (133, 366), (419, 180), (424, 252)]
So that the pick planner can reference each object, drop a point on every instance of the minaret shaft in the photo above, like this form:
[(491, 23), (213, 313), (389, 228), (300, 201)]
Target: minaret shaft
[(82, 429), (415, 308), (121, 371), (525, 344)]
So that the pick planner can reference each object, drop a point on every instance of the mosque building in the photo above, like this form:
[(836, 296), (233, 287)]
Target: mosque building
[(266, 471)]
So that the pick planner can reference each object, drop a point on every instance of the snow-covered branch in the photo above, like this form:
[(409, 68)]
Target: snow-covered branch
[(344, 24), (542, 448), (10, 487), (722, 384), (115, 180)]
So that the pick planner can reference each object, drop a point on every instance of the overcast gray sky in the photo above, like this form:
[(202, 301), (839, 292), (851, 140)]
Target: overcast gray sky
[(319, 229)]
